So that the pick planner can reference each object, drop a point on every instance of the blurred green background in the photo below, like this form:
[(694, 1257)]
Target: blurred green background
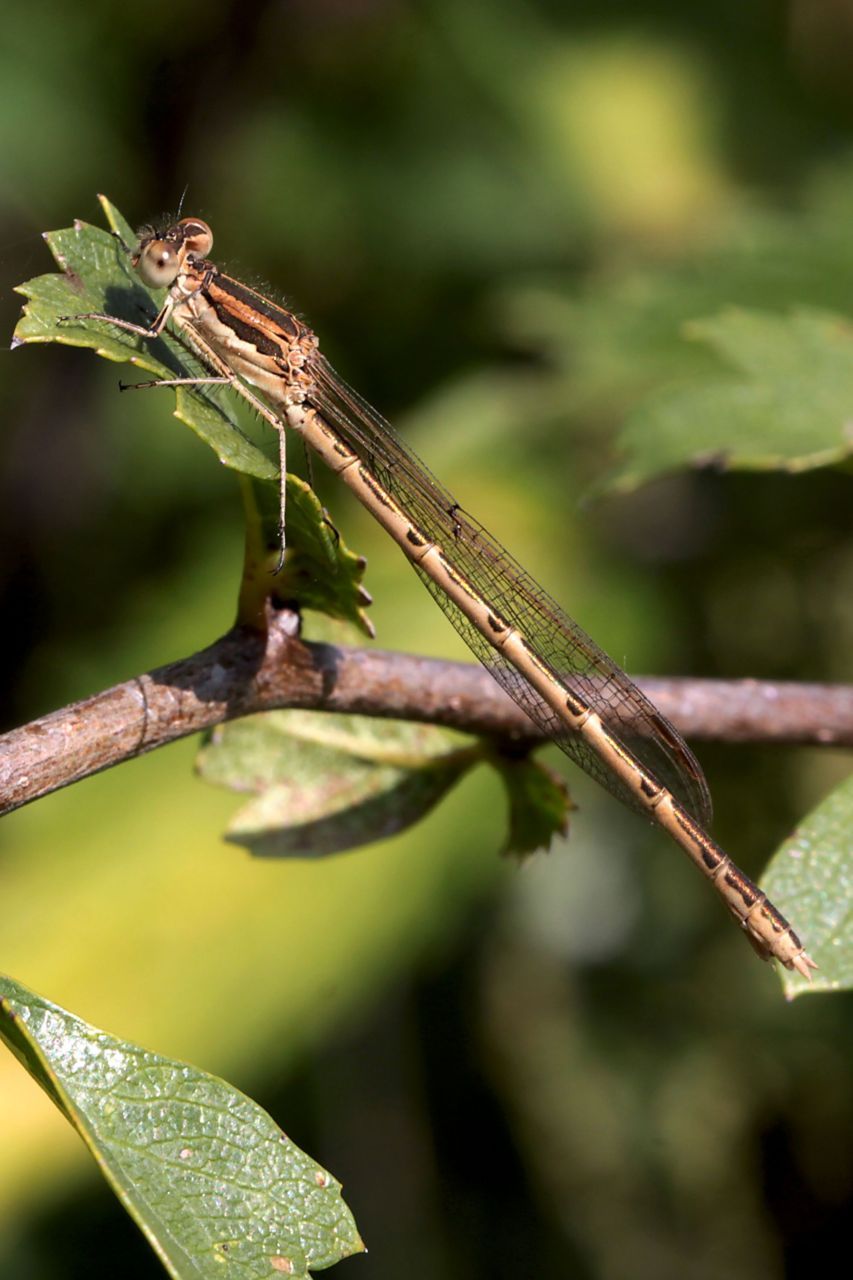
[(497, 214)]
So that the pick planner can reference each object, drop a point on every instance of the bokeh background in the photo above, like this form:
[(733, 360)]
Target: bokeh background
[(498, 215)]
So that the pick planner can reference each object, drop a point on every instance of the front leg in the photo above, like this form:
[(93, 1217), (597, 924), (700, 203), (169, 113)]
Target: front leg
[(150, 332), (176, 382)]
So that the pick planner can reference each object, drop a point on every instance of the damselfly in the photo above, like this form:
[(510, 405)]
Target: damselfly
[(571, 690)]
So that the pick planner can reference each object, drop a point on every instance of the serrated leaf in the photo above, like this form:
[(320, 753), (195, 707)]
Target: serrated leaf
[(810, 878), (97, 276), (216, 1187), (790, 410), (319, 571), (328, 783), (539, 804)]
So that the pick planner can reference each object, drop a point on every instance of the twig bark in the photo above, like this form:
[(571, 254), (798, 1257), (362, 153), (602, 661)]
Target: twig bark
[(247, 671)]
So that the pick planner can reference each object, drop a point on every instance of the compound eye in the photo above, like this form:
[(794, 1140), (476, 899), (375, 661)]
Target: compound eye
[(198, 236), (158, 264)]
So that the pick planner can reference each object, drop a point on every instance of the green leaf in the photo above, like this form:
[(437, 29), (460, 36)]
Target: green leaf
[(810, 878), (319, 571), (97, 276), (326, 783), (214, 1185), (788, 410), (539, 803)]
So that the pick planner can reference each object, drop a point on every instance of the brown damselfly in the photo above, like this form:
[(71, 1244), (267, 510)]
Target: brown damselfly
[(568, 686)]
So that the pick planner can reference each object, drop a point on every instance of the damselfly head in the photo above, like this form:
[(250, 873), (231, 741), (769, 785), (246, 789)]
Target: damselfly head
[(160, 255)]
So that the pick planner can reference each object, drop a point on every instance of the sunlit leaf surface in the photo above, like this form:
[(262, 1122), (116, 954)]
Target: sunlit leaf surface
[(216, 1187), (811, 879)]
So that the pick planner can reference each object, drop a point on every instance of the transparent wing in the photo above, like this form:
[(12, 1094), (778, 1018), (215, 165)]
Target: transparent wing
[(568, 651)]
